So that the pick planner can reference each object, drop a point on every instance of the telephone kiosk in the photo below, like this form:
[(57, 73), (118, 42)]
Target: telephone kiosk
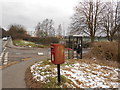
[(75, 43)]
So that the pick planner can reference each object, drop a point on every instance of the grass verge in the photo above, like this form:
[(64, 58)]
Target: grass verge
[(23, 43)]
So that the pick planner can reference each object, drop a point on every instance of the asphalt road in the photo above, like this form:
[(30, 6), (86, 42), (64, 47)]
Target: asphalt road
[(13, 76), (0, 45), (20, 54)]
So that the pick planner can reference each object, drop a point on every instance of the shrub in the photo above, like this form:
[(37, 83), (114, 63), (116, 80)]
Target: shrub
[(43, 40), (105, 50), (17, 32), (86, 44)]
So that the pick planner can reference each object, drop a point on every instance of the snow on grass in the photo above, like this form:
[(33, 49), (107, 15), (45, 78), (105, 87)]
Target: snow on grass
[(41, 73), (82, 75)]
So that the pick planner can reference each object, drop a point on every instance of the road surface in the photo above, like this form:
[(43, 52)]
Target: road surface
[(13, 76)]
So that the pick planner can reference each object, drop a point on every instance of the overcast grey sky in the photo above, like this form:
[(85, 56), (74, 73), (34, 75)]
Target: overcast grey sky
[(29, 12)]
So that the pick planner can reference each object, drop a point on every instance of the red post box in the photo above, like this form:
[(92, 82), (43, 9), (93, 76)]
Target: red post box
[(57, 53)]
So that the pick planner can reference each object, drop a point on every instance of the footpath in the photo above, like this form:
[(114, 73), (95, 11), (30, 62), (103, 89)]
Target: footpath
[(13, 76)]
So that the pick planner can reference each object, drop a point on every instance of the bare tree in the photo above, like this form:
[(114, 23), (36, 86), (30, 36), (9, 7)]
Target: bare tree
[(87, 18), (17, 32), (111, 19), (51, 29), (59, 30), (46, 28), (118, 21), (45, 24), (39, 30)]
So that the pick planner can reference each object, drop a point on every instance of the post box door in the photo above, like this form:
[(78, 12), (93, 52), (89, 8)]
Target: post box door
[(57, 54)]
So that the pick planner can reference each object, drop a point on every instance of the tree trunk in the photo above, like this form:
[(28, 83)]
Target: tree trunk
[(111, 38), (92, 38), (108, 37), (119, 44)]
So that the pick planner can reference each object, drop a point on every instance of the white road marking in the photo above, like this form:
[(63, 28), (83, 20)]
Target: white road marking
[(1, 56), (40, 53), (5, 43), (4, 49), (6, 58)]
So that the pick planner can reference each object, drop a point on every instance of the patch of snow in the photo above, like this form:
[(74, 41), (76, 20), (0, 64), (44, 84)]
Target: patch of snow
[(46, 66), (25, 42), (29, 46), (94, 58), (117, 69), (66, 66), (40, 53), (38, 75), (75, 58), (91, 78), (83, 75)]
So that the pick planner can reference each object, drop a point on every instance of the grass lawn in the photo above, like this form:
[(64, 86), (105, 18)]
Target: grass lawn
[(26, 44)]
